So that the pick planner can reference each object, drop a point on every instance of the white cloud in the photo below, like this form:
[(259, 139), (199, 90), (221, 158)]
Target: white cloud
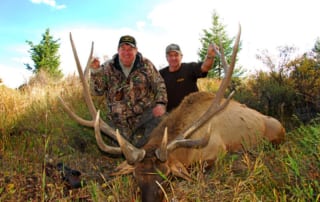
[(13, 77), (51, 3), (141, 25)]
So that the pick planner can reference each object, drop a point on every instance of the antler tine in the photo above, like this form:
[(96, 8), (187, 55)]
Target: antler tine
[(87, 96), (229, 70), (221, 56), (75, 116), (86, 70), (162, 151), (215, 107), (102, 145), (188, 142), (131, 153)]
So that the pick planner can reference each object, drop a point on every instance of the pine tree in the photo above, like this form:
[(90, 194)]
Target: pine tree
[(45, 56), (216, 34)]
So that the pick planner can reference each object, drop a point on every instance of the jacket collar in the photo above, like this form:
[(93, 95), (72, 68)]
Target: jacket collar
[(138, 63)]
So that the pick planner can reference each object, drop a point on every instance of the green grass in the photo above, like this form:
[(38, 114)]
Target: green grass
[(36, 134)]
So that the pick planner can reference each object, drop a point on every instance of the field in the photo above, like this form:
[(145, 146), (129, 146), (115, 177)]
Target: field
[(37, 135)]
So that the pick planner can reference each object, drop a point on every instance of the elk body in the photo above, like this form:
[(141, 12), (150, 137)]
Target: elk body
[(197, 130), (232, 129)]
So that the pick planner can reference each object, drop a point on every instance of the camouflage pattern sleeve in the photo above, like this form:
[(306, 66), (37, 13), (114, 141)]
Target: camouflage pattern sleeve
[(97, 86)]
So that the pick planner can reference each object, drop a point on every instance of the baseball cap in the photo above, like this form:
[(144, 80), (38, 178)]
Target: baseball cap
[(127, 39), (173, 47)]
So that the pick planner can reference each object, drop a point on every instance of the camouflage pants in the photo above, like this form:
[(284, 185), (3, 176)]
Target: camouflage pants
[(142, 133), (137, 129)]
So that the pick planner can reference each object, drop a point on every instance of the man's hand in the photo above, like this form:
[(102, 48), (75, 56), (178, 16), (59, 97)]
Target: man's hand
[(159, 110), (212, 50), (209, 60), (95, 63)]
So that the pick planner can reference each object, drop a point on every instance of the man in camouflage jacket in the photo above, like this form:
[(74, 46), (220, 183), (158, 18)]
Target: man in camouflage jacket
[(135, 91)]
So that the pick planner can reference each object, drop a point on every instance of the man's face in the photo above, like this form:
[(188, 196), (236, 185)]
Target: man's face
[(174, 59), (127, 54)]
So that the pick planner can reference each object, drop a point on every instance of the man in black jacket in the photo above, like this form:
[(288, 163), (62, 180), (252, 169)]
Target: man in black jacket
[(181, 78)]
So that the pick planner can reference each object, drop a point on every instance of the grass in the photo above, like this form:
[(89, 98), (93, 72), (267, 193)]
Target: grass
[(36, 134)]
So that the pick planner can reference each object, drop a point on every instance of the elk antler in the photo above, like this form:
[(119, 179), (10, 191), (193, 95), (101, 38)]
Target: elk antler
[(216, 105), (162, 152), (131, 153), (87, 97), (100, 142)]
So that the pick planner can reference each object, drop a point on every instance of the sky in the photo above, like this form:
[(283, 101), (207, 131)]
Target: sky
[(266, 25)]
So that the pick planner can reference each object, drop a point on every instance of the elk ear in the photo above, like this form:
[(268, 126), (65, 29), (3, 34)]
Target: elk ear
[(178, 169)]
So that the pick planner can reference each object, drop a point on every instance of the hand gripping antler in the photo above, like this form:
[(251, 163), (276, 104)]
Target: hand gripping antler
[(215, 107)]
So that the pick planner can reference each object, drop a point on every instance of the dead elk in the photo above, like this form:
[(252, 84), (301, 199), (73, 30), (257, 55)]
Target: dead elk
[(202, 126)]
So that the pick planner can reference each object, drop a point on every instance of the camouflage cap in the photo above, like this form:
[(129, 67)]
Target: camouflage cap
[(173, 47), (127, 39)]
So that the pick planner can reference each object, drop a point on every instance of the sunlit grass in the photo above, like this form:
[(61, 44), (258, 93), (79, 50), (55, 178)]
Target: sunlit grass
[(208, 84), (12, 104)]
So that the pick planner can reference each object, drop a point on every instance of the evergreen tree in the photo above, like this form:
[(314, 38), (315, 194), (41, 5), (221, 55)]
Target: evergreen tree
[(45, 56), (216, 34)]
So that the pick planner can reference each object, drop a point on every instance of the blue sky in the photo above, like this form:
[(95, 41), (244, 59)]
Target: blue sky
[(266, 24)]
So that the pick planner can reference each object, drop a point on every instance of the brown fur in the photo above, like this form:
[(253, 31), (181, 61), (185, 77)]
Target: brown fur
[(233, 128)]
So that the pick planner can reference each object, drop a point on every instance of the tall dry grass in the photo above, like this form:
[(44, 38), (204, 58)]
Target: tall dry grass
[(32, 99), (11, 104), (208, 84)]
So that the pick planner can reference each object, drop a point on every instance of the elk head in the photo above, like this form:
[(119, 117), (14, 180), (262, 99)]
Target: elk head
[(153, 161)]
